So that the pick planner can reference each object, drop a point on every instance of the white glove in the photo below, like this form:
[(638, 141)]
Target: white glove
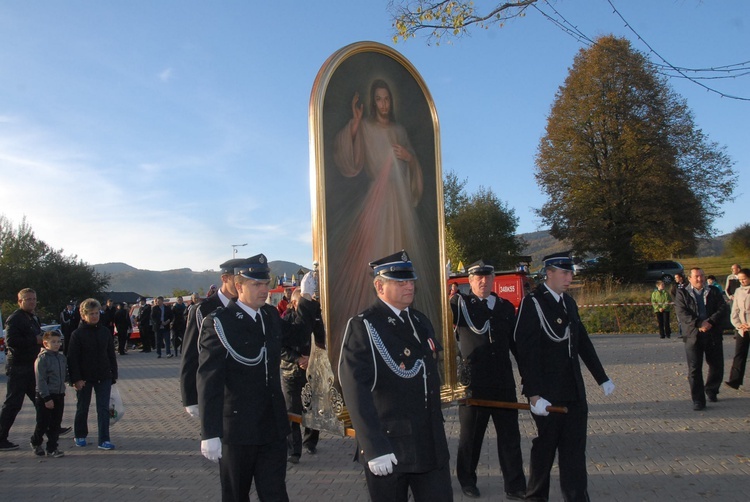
[(540, 408), (608, 387), (382, 465), (192, 410), (308, 285), (211, 449)]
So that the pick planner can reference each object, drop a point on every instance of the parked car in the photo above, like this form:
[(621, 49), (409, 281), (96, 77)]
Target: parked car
[(664, 270)]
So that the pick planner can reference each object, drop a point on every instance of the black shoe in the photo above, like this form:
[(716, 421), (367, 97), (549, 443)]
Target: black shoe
[(293, 459), (158, 356), (698, 406), (712, 397), (519, 495), (145, 351), (64, 430), (6, 445), (470, 491), (662, 337), (38, 449), (732, 385), (311, 450)]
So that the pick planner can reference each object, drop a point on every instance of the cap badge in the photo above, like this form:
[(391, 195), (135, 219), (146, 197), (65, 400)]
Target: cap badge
[(404, 257), (262, 259)]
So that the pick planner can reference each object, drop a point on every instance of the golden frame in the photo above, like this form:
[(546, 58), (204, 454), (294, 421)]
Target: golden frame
[(345, 72)]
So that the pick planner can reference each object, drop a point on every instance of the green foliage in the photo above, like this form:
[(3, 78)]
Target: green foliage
[(739, 241), (28, 262), (181, 292), (628, 175), (485, 229)]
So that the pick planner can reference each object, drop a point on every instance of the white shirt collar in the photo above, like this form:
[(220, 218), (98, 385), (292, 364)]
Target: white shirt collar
[(554, 295), (247, 309), (224, 299)]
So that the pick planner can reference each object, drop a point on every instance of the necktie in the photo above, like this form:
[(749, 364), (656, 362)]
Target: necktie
[(404, 316), (561, 302)]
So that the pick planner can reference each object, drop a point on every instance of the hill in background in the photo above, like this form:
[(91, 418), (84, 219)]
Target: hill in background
[(155, 283)]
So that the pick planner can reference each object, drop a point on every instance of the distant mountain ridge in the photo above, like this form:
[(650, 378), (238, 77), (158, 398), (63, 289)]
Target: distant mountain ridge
[(155, 283)]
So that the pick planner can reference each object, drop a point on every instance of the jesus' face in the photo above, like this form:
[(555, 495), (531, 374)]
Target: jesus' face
[(383, 105)]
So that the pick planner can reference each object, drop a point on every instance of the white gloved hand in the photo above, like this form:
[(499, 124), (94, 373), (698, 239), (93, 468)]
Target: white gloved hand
[(382, 465), (540, 408), (608, 387), (192, 410), (211, 449), (308, 285)]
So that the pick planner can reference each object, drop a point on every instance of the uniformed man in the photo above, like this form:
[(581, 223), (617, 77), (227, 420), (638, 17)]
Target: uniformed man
[(389, 377), (483, 324), (189, 363), (244, 421), (550, 339)]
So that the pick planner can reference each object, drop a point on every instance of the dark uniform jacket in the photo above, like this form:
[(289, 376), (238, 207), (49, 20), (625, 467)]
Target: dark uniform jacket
[(189, 364), (21, 330), (486, 355), (686, 308), (144, 318), (393, 413), (548, 368), (241, 403)]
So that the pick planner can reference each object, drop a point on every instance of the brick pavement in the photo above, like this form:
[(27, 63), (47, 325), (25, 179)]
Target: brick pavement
[(645, 442)]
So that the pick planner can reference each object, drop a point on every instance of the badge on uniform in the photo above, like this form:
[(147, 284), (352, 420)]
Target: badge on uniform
[(407, 352), (559, 321), (239, 315), (392, 320), (402, 366), (431, 343)]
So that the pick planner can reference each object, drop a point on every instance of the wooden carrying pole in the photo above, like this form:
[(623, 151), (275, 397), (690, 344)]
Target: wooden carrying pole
[(503, 404)]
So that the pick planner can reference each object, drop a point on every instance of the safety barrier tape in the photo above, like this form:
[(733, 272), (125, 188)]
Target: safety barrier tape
[(618, 305)]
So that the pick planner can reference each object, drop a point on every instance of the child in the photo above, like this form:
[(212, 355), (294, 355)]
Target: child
[(50, 369), (93, 367), (660, 301)]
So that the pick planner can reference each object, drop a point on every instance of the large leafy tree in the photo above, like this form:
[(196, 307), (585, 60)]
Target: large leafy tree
[(479, 226), (26, 261), (627, 173)]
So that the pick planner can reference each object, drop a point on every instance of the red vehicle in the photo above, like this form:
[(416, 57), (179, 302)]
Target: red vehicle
[(511, 285)]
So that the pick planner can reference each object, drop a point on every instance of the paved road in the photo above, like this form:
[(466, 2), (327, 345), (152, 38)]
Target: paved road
[(645, 442)]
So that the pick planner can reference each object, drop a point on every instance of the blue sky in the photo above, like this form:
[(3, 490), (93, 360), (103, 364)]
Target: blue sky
[(160, 133)]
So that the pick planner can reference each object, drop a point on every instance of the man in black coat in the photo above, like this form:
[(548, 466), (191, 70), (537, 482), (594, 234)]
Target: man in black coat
[(189, 363), (389, 377), (161, 318), (244, 421), (23, 336), (144, 326), (700, 310), (550, 339), (484, 325)]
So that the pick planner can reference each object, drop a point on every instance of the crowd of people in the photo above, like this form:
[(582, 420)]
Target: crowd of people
[(244, 366)]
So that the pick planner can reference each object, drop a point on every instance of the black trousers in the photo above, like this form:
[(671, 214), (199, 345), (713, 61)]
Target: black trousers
[(48, 421), (737, 373), (292, 389), (122, 339), (146, 337), (696, 347), (563, 434), (474, 421), (21, 382), (662, 319), (241, 464), (430, 486)]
